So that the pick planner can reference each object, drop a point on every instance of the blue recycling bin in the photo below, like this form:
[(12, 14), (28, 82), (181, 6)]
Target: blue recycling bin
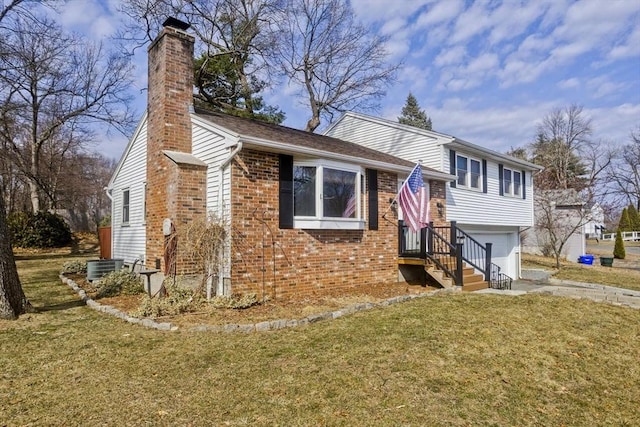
[(586, 259)]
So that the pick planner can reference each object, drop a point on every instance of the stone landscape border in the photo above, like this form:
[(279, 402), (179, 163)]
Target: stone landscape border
[(271, 325)]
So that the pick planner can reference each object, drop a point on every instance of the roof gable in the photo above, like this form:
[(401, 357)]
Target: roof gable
[(448, 141)]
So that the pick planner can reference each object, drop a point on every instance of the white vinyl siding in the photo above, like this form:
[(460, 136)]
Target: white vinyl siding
[(505, 246), (129, 241), (473, 207), (210, 148), (407, 144)]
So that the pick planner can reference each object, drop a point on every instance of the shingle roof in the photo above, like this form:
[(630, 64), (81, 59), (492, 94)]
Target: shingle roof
[(250, 128)]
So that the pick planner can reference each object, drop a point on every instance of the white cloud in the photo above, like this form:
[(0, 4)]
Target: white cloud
[(440, 12), (371, 11), (512, 19), (88, 17), (455, 55), (569, 83), (471, 22), (629, 47), (602, 86), (483, 63)]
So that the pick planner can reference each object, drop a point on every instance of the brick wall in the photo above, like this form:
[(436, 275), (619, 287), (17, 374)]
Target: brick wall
[(437, 194), (304, 260), (174, 191)]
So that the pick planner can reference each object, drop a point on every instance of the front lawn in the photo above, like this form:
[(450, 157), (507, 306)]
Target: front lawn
[(460, 359), (624, 273)]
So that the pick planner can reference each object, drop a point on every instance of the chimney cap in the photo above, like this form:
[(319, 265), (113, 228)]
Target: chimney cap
[(175, 23)]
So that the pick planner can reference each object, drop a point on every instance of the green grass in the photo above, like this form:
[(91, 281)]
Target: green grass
[(624, 273), (448, 360)]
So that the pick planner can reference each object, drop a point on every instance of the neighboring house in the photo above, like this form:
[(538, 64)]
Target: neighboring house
[(492, 197), (560, 219), (304, 211), (594, 227)]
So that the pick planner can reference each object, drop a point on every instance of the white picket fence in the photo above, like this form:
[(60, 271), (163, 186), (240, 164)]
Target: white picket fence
[(626, 236)]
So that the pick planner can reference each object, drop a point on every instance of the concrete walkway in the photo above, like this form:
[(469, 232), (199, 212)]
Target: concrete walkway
[(540, 282)]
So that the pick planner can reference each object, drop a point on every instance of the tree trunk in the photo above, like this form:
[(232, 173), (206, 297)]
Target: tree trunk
[(12, 299), (35, 198)]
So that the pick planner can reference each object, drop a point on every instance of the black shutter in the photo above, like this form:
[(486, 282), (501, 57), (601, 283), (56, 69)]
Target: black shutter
[(286, 191), (372, 182), (500, 179), (484, 176), (452, 166), (524, 185)]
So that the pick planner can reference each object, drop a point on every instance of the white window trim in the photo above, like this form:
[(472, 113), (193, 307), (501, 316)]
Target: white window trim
[(511, 193), (467, 184), (128, 221), (318, 222), (144, 203)]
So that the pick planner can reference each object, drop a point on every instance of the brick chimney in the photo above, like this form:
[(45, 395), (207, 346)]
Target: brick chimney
[(176, 182)]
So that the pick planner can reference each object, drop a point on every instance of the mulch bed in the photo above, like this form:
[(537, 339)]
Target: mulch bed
[(284, 308)]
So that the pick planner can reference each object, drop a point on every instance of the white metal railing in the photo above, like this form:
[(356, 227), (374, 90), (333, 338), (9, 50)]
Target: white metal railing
[(626, 235)]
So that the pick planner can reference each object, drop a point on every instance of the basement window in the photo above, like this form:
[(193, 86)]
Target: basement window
[(326, 195)]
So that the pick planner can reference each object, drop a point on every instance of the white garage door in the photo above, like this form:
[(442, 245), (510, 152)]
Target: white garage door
[(502, 252)]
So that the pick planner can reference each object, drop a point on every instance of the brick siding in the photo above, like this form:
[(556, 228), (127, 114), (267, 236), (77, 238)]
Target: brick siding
[(299, 262), (174, 191)]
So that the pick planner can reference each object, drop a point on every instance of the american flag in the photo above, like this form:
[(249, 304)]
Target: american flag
[(351, 207), (414, 201)]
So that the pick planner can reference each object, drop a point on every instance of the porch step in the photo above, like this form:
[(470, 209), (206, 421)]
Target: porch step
[(475, 286), (438, 276), (473, 281)]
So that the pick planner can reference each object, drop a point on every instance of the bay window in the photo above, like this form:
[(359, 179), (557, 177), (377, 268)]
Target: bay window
[(327, 195)]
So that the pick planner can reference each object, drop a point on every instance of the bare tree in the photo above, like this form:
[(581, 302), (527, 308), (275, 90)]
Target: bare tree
[(560, 216), (82, 199), (334, 60), (561, 135), (13, 301), (54, 87), (623, 175), (234, 39)]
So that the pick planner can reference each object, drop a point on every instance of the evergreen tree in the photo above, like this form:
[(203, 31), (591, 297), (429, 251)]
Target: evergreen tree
[(223, 86), (412, 115), (625, 223), (618, 249), (634, 218)]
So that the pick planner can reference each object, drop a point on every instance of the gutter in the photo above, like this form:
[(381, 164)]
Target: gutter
[(376, 164)]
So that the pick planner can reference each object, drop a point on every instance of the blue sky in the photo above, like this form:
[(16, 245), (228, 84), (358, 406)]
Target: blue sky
[(484, 71)]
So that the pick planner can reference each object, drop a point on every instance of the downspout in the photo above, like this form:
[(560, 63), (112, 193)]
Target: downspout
[(107, 191), (223, 165)]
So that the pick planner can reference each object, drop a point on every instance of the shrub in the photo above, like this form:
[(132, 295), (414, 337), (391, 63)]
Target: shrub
[(40, 230), (234, 301), (76, 266), (179, 299), (618, 249), (121, 282), (105, 221)]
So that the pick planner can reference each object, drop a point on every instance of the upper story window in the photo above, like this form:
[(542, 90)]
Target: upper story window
[(512, 182), (469, 172), (326, 195), (126, 207)]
